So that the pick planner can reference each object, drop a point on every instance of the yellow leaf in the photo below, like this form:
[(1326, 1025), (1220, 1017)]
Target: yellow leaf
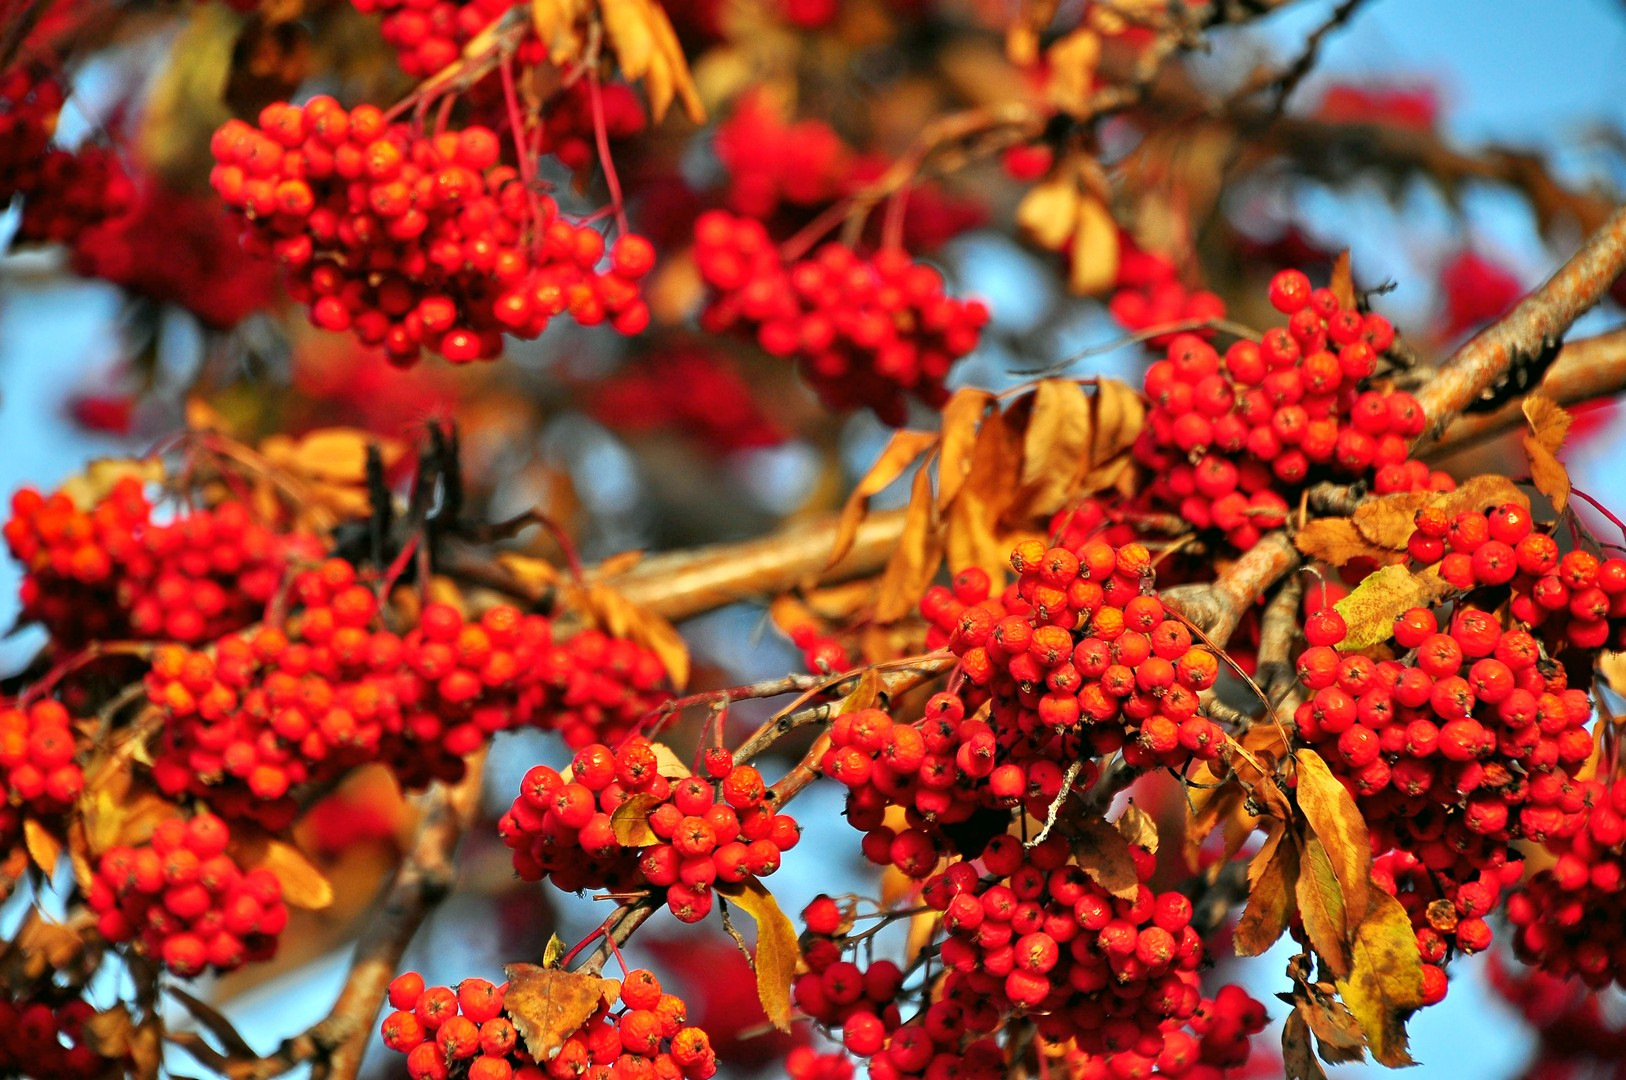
[(1369, 610), (864, 694), (547, 1005), (1272, 878), (901, 451), (1048, 213), (336, 455), (630, 822), (1102, 852), (1335, 541), (915, 559), (1330, 810), (1321, 905), (1120, 414), (1071, 62), (973, 531), (1385, 982), (43, 847), (1138, 827), (626, 28), (617, 565), (777, 951), (1095, 249), (668, 764), (92, 485), (1058, 438), (962, 416), (1549, 424), (671, 49), (303, 885)]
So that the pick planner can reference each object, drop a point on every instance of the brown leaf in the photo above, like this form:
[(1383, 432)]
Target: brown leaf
[(1102, 852), (216, 1023), (1335, 541), (1385, 982), (1387, 520), (1209, 808), (1342, 284), (1331, 812), (916, 557), (974, 536), (1095, 254), (777, 950), (1321, 905), (630, 822), (962, 416), (864, 694), (46, 946), (1071, 63), (336, 455), (43, 846), (303, 885), (1048, 213), (1138, 827), (108, 1032), (904, 447), (1057, 440), (1272, 877), (1549, 424), (547, 1005), (1298, 1063), (1369, 610)]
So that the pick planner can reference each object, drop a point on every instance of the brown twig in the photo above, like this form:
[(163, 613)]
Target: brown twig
[(1217, 607)]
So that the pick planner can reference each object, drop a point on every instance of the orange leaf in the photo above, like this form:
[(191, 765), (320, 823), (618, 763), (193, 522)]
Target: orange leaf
[(43, 847), (302, 884), (1385, 982), (1102, 852), (973, 531), (630, 822), (1138, 827), (1321, 906), (1330, 810), (1298, 1062), (1095, 251), (1549, 424), (901, 452), (1342, 284), (1335, 541), (1071, 62), (548, 1005), (916, 557), (777, 951), (1048, 213), (1057, 439), (1272, 878), (962, 416)]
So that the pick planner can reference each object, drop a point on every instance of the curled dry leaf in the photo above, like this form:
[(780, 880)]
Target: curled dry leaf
[(1321, 905), (975, 536), (1336, 541), (303, 885), (630, 822), (916, 557), (1058, 436), (547, 1005), (1138, 827), (901, 451), (1048, 213), (1272, 877), (777, 950), (1385, 981), (1102, 852), (1298, 1062), (1369, 610), (1330, 811), (1095, 253), (1549, 424), (1388, 520), (962, 417)]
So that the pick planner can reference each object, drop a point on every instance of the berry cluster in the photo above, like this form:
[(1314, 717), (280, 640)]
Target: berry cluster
[(1452, 752), (38, 1039), (1149, 292), (185, 901), (1570, 918), (806, 1063), (694, 392), (1232, 439), (567, 829), (429, 36), (866, 331), (772, 164), (63, 191), (112, 571), (466, 1032), (822, 653), (411, 241), (1571, 600), (37, 767)]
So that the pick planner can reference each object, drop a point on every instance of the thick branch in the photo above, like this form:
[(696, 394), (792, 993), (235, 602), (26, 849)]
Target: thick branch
[(1217, 607), (1539, 322), (1585, 370)]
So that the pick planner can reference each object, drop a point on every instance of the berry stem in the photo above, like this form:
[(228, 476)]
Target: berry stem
[(601, 135)]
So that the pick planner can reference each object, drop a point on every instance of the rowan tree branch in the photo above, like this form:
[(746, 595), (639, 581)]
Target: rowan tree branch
[(1539, 321), (1218, 606)]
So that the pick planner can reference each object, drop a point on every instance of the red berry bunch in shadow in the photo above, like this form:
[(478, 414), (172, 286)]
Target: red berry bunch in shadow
[(1570, 917), (467, 1032), (38, 771), (186, 902), (693, 392), (774, 165), (429, 36), (568, 129), (416, 242), (837, 993), (683, 835), (64, 191), (39, 1038), (865, 331), (1233, 439), (112, 571), (1149, 292)]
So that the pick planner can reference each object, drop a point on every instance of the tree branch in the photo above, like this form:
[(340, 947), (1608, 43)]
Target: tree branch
[(1219, 605)]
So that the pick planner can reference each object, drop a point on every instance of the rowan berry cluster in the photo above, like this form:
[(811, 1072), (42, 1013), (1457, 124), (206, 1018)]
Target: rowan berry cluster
[(429, 36), (63, 191), (865, 331), (822, 654), (38, 772), (1570, 917), (806, 1063), (1452, 752), (695, 392), (641, 1032), (1571, 600), (569, 132), (1148, 292), (185, 901), (683, 834), (112, 571), (1230, 439), (39, 1039), (412, 241), (774, 165)]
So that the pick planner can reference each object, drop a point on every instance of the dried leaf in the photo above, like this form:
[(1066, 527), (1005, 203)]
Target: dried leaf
[(1138, 827), (336, 455), (1321, 905), (1209, 808), (1549, 424), (777, 951), (1095, 254), (668, 764), (626, 28), (904, 447), (1058, 438), (973, 527), (962, 416), (1102, 852), (630, 822), (1298, 1063), (46, 946), (1120, 414), (87, 488), (1342, 283), (1336, 541), (1272, 877), (108, 1032), (1369, 610), (1387, 520), (1331, 812), (916, 557), (547, 1005), (1385, 982), (1071, 61), (555, 951), (303, 885), (216, 1023), (620, 617), (43, 846), (1048, 213)]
